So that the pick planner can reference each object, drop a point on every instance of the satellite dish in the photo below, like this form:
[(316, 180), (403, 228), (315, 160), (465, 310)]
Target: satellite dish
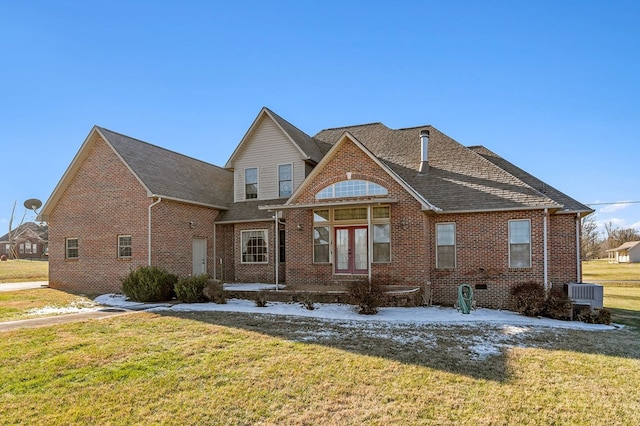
[(33, 204)]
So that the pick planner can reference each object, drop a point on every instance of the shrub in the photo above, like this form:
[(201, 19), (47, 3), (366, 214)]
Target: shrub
[(149, 284), (528, 299), (214, 291), (190, 289), (307, 302), (368, 297), (558, 305), (595, 316), (261, 299)]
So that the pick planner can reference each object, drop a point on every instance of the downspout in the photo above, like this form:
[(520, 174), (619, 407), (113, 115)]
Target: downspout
[(149, 230), (215, 257), (578, 254), (276, 248), (546, 260), (369, 244)]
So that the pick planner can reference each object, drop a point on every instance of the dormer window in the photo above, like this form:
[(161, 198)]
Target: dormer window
[(351, 188), (250, 183)]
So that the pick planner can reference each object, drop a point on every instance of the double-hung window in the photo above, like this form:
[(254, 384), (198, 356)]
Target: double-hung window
[(445, 245), (71, 248), (254, 246), (250, 183), (381, 234), (519, 244), (285, 180), (124, 246)]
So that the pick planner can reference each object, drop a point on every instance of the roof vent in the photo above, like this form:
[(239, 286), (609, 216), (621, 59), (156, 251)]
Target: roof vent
[(424, 143)]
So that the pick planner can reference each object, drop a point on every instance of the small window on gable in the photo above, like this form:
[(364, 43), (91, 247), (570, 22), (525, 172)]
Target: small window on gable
[(251, 183), (285, 180), (351, 188)]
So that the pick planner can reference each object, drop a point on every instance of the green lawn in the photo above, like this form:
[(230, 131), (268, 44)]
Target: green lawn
[(231, 368), (13, 271), (16, 305), (221, 368), (594, 271), (621, 283)]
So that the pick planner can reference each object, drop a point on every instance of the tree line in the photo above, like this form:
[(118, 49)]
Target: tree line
[(595, 243)]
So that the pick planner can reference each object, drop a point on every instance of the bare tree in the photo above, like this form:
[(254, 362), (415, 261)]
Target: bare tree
[(618, 236), (13, 236), (590, 239)]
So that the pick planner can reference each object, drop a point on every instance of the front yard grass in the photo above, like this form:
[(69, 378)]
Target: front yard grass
[(595, 271), (17, 305), (621, 283), (222, 368), (13, 271)]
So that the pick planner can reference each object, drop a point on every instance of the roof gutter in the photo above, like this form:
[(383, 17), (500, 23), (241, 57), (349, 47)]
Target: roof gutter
[(195, 203), (512, 209), (149, 230)]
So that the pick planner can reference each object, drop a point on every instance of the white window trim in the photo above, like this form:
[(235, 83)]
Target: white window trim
[(509, 243), (244, 183), (455, 244), (292, 186), (266, 243)]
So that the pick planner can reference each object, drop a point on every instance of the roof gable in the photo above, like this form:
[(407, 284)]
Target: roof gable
[(308, 148), (161, 172), (171, 175), (347, 137)]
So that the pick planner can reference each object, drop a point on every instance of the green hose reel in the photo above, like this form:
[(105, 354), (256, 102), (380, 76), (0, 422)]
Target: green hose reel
[(465, 298)]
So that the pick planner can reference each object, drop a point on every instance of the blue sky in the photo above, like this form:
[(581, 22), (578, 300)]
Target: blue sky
[(552, 86)]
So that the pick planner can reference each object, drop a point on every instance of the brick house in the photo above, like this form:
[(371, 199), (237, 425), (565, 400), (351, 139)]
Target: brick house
[(408, 207), (29, 241)]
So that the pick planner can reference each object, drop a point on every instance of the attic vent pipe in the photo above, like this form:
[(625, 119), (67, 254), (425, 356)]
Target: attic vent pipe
[(424, 143)]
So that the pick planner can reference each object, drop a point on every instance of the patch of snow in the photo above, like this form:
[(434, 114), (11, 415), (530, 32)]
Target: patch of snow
[(513, 322), (73, 308)]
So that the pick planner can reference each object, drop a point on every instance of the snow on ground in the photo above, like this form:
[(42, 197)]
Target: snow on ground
[(492, 330), (76, 307), (418, 315)]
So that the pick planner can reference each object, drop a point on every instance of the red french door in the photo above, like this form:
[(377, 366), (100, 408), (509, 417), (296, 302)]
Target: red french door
[(351, 254)]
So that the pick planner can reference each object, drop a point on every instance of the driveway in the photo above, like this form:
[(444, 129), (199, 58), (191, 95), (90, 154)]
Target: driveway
[(23, 286)]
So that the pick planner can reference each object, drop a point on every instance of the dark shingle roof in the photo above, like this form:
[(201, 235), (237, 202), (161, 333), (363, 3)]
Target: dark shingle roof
[(305, 142), (548, 190), (248, 210), (30, 229), (458, 178), (172, 175)]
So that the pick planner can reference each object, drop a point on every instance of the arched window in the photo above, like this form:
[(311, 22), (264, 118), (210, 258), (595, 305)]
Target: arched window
[(351, 188)]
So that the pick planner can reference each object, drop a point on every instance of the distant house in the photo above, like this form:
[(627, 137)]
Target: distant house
[(407, 207), (628, 252), (30, 241)]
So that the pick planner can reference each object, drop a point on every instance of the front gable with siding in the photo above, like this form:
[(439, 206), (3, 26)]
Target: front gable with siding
[(265, 147)]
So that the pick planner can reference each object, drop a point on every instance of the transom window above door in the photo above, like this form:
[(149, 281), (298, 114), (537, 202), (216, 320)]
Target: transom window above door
[(351, 188)]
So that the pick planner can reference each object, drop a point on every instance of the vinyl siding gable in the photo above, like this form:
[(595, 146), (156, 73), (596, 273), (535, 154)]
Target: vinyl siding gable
[(267, 148)]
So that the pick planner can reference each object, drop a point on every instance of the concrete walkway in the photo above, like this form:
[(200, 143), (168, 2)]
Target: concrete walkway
[(23, 286), (62, 319)]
